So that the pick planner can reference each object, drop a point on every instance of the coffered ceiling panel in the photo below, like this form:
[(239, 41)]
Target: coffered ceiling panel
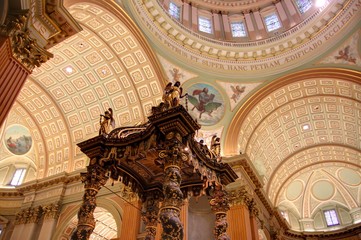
[(304, 139), (104, 66)]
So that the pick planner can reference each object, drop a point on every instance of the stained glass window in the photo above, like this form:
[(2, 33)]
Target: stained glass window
[(18, 177), (174, 10), (272, 22), (303, 5), (331, 218), (204, 25), (238, 29)]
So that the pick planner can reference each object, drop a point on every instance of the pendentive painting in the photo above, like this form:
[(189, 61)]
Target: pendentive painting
[(18, 139), (205, 104)]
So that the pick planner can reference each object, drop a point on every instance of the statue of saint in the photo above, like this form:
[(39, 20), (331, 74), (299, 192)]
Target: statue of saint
[(106, 121)]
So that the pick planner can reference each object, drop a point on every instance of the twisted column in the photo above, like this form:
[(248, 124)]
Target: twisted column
[(220, 205), (150, 217), (173, 196), (93, 180)]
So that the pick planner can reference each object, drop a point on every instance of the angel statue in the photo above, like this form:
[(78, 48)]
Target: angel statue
[(106, 121), (205, 103), (172, 94), (216, 147)]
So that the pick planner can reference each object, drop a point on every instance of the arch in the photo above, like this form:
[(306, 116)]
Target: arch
[(69, 214), (233, 131)]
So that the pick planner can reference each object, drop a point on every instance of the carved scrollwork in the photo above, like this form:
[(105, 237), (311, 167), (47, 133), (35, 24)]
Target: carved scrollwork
[(29, 215), (150, 216), (220, 205), (51, 211), (25, 48), (172, 226), (239, 196)]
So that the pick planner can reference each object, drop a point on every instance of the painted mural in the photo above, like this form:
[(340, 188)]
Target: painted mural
[(18, 139), (237, 91), (205, 104), (175, 73), (346, 53)]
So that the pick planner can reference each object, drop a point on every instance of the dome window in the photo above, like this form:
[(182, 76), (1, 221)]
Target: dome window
[(303, 5), (331, 218), (238, 29), (205, 25), (18, 177), (272, 22), (174, 10)]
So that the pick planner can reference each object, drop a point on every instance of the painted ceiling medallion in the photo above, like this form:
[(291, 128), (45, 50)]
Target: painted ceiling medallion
[(18, 139), (205, 104)]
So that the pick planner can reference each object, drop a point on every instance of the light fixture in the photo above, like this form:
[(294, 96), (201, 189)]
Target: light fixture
[(69, 69), (306, 127)]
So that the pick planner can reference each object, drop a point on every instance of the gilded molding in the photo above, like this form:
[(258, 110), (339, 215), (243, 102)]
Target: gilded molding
[(25, 49), (51, 211)]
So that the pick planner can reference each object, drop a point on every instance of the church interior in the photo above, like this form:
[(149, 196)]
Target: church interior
[(180, 119)]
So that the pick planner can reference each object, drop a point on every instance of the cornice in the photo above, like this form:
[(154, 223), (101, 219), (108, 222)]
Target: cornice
[(266, 57), (63, 178)]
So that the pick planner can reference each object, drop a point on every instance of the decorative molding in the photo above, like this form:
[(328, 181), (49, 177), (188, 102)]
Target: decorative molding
[(24, 47)]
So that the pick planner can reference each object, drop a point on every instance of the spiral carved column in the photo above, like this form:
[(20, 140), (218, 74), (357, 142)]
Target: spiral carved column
[(93, 180), (150, 217), (173, 196), (220, 205)]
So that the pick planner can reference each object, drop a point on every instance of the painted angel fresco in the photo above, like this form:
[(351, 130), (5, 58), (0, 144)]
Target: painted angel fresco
[(204, 103), (344, 54), (237, 91), (176, 74)]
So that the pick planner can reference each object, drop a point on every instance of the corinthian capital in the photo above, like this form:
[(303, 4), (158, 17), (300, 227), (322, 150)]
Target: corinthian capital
[(24, 48)]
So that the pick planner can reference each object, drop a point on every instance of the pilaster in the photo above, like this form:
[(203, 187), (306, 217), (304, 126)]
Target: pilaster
[(50, 217), (130, 220)]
